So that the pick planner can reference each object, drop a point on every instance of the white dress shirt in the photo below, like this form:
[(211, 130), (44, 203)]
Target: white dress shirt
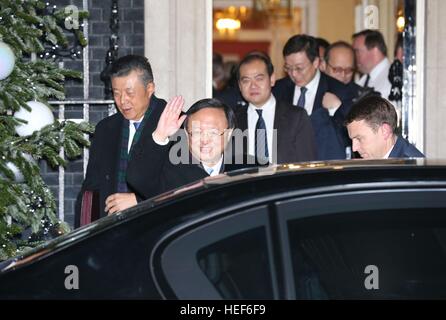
[(386, 156), (379, 78), (310, 95), (269, 111), (132, 132), (215, 169)]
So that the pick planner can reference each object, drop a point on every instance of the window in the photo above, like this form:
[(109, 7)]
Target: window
[(238, 266), (229, 257), (407, 248)]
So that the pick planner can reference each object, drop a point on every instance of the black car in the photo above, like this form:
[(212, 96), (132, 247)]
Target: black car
[(336, 230)]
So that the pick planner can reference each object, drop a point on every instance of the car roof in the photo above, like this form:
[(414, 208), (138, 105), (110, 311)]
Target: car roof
[(314, 167), (252, 182)]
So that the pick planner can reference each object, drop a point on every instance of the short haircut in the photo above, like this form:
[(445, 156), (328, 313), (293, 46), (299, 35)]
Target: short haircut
[(373, 39), (218, 72), (302, 43), (375, 111), (126, 64), (339, 44), (256, 55), (322, 43), (215, 104)]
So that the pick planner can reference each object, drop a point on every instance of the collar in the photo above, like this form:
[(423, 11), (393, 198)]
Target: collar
[(313, 84), (386, 156), (380, 67), (133, 121), (267, 107), (216, 168)]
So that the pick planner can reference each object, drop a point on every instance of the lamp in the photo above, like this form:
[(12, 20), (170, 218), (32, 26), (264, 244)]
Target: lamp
[(230, 20), (400, 21)]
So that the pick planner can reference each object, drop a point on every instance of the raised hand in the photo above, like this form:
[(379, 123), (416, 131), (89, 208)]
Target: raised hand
[(170, 120)]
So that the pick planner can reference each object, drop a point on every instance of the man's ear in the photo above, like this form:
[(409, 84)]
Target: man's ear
[(323, 66), (387, 130), (273, 79), (316, 62), (228, 134), (150, 89)]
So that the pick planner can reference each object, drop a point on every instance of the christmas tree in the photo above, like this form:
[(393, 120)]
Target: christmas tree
[(29, 77)]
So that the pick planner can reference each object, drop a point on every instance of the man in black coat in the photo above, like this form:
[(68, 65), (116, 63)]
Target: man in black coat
[(202, 150), (372, 124), (289, 134), (305, 87), (120, 137)]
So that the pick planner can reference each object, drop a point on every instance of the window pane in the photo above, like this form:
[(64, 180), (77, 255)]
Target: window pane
[(238, 266), (408, 248)]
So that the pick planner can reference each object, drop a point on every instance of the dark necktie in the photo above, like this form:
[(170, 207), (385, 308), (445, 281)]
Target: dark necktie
[(261, 144), (367, 79), (136, 124), (301, 101)]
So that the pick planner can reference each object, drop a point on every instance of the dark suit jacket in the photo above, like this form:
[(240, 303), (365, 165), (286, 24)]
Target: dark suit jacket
[(404, 149), (104, 155), (161, 175), (230, 96), (295, 136), (331, 141)]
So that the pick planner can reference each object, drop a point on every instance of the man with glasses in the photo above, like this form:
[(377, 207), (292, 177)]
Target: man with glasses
[(200, 152), (305, 86), (277, 131), (339, 62)]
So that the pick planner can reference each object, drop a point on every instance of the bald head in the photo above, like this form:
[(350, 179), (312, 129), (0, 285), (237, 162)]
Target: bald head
[(339, 61)]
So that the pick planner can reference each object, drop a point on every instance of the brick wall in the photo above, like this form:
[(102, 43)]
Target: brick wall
[(131, 41)]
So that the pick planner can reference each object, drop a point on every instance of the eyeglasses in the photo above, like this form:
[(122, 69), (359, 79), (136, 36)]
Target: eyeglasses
[(211, 134), (339, 70), (290, 69)]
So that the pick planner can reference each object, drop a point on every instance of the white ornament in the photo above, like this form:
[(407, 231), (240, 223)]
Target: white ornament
[(39, 117), (18, 175), (7, 60)]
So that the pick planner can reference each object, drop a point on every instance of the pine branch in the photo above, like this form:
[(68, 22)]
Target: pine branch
[(27, 205)]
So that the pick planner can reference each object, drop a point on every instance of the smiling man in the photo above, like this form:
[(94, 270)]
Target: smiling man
[(264, 116), (201, 151), (372, 125), (119, 137)]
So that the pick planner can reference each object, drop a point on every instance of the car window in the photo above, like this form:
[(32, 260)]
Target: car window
[(393, 254), (366, 245), (228, 257), (238, 266)]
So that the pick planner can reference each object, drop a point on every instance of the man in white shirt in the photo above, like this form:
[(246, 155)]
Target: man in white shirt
[(372, 124), (277, 131), (371, 60), (305, 87), (200, 152), (119, 137)]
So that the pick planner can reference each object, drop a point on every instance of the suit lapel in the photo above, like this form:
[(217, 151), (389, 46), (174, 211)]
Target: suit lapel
[(280, 121), (397, 150), (321, 89), (291, 87), (113, 150), (242, 119)]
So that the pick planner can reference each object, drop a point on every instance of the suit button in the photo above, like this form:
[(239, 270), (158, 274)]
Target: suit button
[(107, 177)]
